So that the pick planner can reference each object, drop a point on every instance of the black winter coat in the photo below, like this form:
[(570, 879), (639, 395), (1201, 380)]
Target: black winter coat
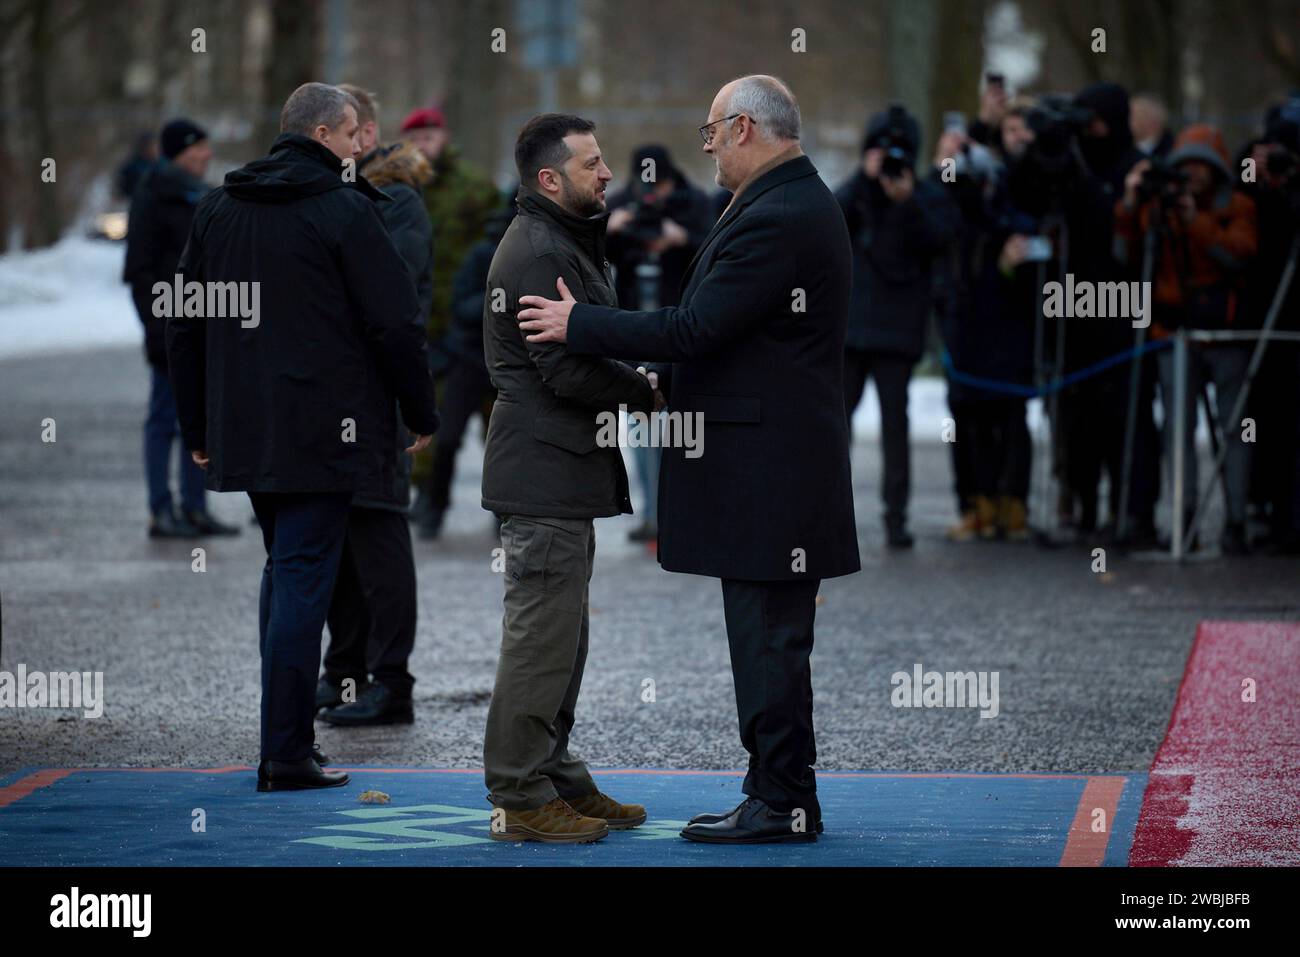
[(688, 208), (162, 209), (303, 401), (542, 456), (770, 497), (986, 322), (894, 247), (399, 172), (465, 337)]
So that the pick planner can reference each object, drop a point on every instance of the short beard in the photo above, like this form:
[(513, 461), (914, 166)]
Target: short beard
[(574, 202)]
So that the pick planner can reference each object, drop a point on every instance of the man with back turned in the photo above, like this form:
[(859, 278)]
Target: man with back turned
[(295, 404)]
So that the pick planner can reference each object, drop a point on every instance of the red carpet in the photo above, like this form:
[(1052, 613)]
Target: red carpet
[(1224, 789)]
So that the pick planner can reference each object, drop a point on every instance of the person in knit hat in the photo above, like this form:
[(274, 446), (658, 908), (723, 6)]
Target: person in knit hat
[(459, 200), (1207, 235), (162, 209)]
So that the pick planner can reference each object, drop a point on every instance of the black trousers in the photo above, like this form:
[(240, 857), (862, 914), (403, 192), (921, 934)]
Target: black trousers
[(892, 374), (372, 611), (992, 454), (1093, 418), (770, 633), (466, 390), (303, 535)]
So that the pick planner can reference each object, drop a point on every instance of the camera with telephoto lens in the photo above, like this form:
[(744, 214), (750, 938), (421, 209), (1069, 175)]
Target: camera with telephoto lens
[(896, 144), (1056, 123), (647, 223), (1164, 181)]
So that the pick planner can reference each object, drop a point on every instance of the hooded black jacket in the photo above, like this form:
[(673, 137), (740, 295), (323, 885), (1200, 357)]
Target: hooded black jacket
[(303, 401), (894, 249), (542, 456)]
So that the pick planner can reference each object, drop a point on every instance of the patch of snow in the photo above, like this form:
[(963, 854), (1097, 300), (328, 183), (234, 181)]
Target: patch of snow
[(66, 297)]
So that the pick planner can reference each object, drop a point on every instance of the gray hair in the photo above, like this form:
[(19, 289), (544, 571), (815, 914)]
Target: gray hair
[(769, 103), (313, 105)]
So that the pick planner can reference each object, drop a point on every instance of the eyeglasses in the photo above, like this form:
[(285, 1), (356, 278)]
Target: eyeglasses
[(706, 131)]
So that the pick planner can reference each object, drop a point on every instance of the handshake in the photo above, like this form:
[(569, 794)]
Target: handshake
[(653, 379)]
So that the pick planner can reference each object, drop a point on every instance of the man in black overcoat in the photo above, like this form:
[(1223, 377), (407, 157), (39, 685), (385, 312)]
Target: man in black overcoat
[(291, 397)]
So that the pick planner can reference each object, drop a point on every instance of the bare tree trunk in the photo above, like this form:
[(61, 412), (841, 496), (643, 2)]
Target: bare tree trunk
[(44, 222), (294, 59), (956, 70), (912, 28)]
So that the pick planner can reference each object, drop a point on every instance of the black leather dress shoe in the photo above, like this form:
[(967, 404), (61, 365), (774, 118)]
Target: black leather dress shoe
[(297, 776), (207, 524), (375, 705), (328, 694), (718, 818), (167, 524), (751, 823), (319, 756)]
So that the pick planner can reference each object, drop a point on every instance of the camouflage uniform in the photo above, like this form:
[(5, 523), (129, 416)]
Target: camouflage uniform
[(459, 202)]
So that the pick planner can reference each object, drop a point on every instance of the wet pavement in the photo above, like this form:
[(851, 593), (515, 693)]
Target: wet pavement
[(1088, 663)]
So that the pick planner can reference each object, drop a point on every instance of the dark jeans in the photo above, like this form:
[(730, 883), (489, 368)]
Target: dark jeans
[(372, 612), (770, 633), (303, 534), (992, 454), (161, 432), (892, 374), (465, 392)]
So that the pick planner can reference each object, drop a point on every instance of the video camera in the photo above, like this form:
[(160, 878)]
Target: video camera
[(1284, 131), (647, 220), (897, 144), (1056, 123), (1162, 181)]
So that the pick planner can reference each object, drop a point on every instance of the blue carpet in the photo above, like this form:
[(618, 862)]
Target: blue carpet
[(146, 817)]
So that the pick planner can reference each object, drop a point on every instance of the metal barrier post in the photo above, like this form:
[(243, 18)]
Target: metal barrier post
[(1179, 453), (1256, 357)]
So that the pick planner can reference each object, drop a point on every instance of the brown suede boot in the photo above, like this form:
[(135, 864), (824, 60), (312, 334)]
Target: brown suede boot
[(966, 529), (986, 514), (552, 823), (619, 817), (1013, 518)]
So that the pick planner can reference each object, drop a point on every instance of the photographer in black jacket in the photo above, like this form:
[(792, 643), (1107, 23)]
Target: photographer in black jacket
[(656, 224), (1274, 401), (898, 225)]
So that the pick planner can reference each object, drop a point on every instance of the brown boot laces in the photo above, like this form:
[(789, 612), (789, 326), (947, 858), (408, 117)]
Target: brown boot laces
[(566, 809)]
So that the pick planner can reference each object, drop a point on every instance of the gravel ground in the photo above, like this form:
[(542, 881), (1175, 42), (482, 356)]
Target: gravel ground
[(1088, 663)]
